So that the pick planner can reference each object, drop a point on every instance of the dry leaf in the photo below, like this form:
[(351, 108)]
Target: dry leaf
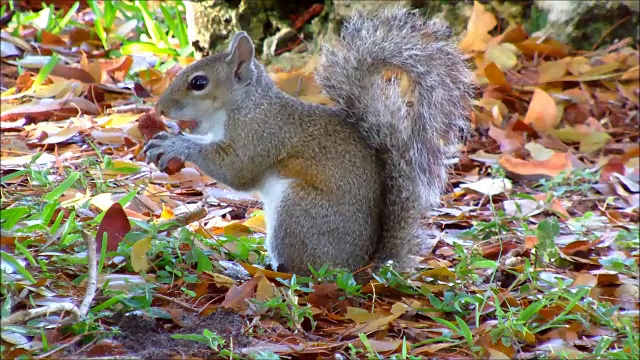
[(236, 296), (539, 152), (542, 113), (139, 260), (552, 71), (535, 170), (256, 223), (503, 55), (115, 224), (489, 186), (480, 23), (594, 141)]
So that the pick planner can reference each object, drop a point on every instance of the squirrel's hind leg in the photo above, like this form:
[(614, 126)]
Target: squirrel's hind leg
[(323, 232)]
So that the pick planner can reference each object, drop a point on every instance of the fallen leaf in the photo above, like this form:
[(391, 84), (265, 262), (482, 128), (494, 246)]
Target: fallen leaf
[(480, 23), (539, 152), (384, 346), (110, 136), (489, 186), (495, 75), (535, 170), (139, 260), (503, 55), (236, 296), (542, 113), (594, 141), (584, 279), (521, 207), (551, 71), (115, 224), (265, 289), (256, 223), (361, 315)]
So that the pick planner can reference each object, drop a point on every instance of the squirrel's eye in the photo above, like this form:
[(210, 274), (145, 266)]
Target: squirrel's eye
[(198, 82)]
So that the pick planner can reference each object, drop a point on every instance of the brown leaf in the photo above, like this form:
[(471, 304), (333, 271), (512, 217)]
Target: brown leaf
[(542, 113), (73, 73), (236, 296), (116, 225), (495, 75), (62, 136), (118, 68), (384, 346), (324, 296), (535, 170), (480, 23), (584, 279), (549, 47), (551, 71), (265, 290)]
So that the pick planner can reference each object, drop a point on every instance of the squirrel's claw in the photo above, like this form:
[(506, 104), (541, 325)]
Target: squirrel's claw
[(161, 149)]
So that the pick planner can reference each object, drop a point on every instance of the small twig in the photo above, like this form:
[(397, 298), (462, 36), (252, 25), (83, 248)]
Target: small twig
[(176, 302), (606, 33), (92, 273), (181, 220), (76, 313), (26, 315)]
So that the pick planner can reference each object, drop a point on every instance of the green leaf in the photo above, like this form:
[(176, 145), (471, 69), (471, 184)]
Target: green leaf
[(58, 191), (13, 175), (107, 304), (153, 29), (16, 266), (23, 250), (65, 20), (109, 13), (11, 216), (465, 330), (102, 35), (484, 264), (531, 310), (547, 230), (45, 71), (146, 48), (204, 264)]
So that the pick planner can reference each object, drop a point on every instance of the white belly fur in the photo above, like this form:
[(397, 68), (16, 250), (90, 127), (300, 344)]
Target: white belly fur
[(272, 190)]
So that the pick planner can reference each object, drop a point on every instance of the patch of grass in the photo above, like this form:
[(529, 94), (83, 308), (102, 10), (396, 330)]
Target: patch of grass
[(578, 181)]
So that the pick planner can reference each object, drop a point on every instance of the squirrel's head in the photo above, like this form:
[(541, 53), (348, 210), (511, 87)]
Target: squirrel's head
[(205, 89)]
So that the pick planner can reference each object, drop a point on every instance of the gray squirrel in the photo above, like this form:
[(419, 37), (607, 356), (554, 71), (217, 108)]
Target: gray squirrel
[(343, 185)]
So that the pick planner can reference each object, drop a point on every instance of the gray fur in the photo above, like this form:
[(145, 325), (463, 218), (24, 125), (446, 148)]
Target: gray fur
[(415, 142), (361, 174)]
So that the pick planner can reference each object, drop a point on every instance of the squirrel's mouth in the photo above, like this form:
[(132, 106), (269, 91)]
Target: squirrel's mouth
[(190, 125)]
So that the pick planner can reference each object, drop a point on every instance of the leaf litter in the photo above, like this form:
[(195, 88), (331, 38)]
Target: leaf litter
[(536, 245)]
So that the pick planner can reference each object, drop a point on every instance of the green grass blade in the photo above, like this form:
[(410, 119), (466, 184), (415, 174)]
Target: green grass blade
[(60, 189), (142, 47), (152, 27), (45, 71), (102, 35), (16, 265), (65, 20), (13, 175), (109, 13)]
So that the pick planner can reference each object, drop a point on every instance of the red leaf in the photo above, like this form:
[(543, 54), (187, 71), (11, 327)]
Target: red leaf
[(116, 224)]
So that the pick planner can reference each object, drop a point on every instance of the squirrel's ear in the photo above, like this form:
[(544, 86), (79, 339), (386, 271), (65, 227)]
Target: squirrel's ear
[(241, 57)]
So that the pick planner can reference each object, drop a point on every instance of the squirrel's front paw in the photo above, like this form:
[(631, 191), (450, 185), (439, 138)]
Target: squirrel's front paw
[(167, 151)]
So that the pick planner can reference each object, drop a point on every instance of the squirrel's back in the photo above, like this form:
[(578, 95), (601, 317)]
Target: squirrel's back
[(415, 122)]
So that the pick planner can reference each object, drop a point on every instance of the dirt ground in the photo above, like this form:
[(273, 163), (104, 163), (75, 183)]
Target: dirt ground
[(146, 338)]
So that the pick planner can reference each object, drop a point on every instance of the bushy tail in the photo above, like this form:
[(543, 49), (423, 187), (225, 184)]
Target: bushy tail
[(415, 125)]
